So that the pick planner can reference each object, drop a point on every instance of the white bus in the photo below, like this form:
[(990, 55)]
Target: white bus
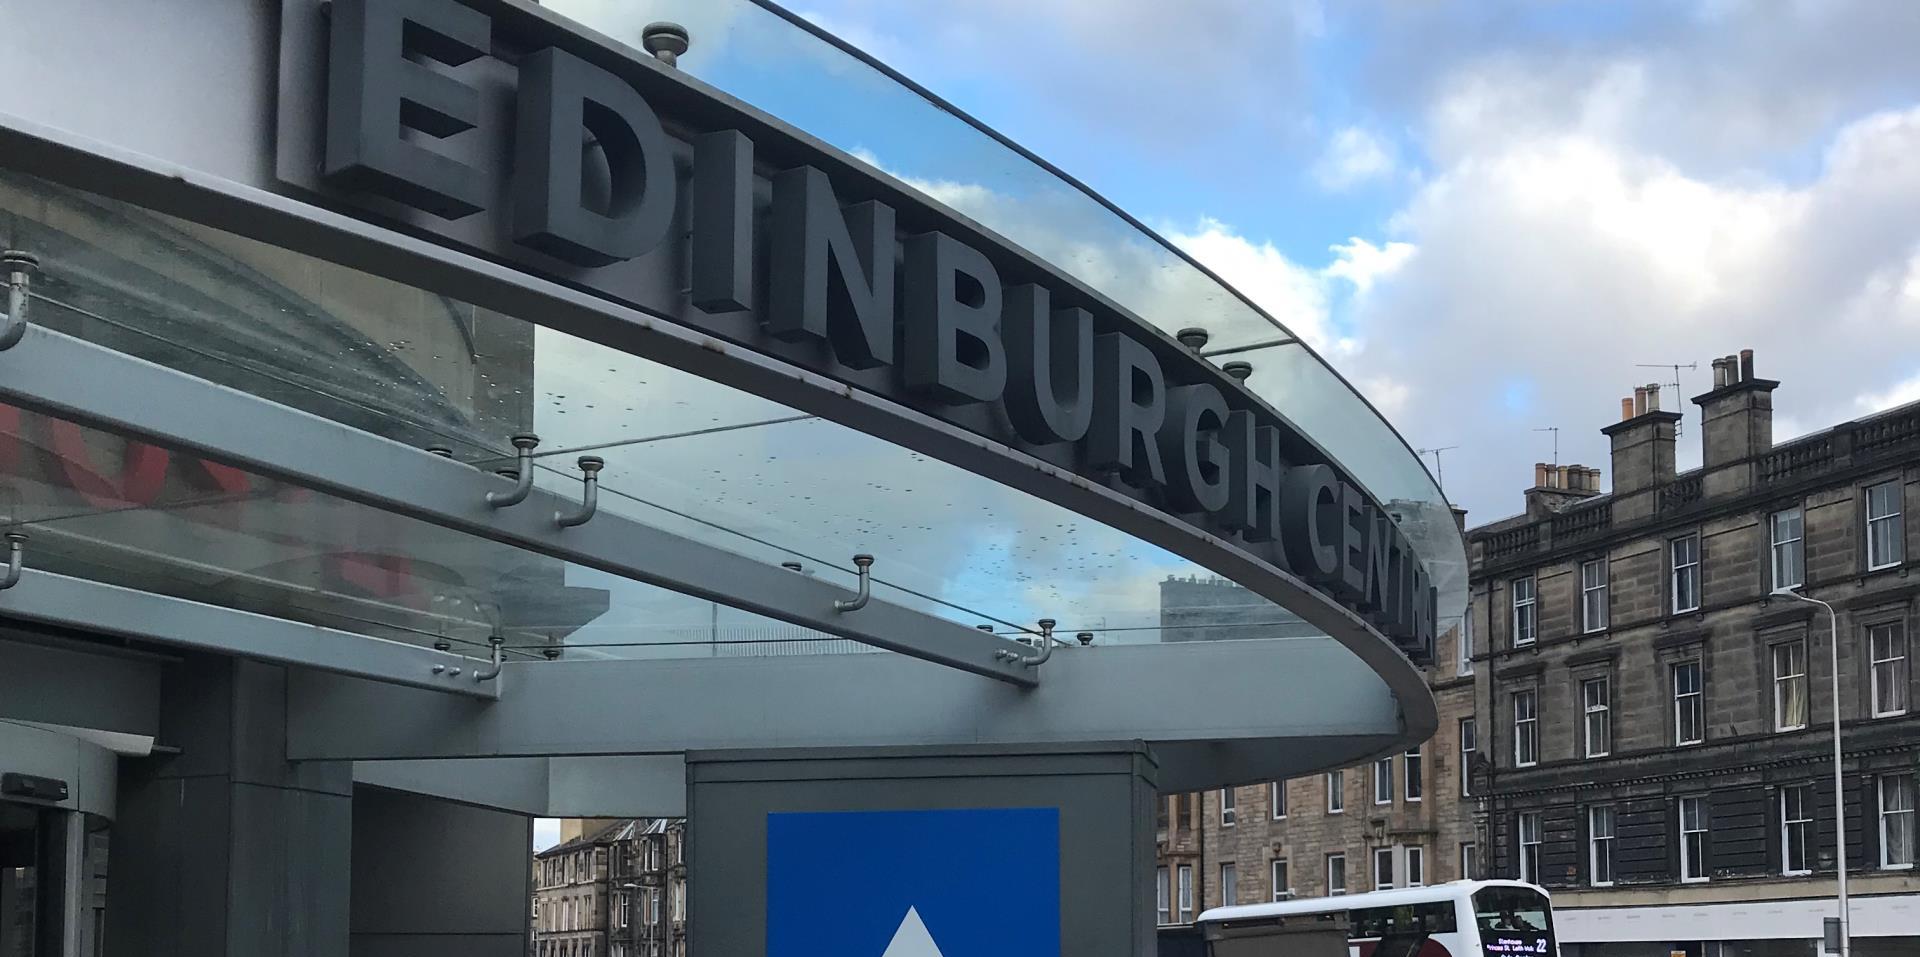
[(1456, 919)]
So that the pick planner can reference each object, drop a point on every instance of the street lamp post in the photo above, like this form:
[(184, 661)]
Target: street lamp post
[(1839, 797)]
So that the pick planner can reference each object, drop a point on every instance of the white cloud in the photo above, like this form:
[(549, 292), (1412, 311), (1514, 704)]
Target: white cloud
[(1552, 264), (1899, 394), (1352, 157), (1362, 263)]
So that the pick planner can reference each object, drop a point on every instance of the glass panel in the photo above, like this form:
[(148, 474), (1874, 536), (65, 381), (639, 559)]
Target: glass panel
[(759, 57)]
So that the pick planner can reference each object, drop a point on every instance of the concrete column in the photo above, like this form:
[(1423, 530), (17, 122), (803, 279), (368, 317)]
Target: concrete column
[(227, 848), (432, 878), (1017, 852)]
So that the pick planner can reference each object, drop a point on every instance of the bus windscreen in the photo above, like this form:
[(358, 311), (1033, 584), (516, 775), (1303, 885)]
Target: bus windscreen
[(1513, 921)]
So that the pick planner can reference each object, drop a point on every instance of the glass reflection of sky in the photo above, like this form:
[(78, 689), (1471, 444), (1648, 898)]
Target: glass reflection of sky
[(757, 56)]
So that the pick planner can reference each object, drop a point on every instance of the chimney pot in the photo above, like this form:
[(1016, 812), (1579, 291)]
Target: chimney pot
[(1653, 397), (1733, 369), (1639, 400), (1746, 364), (1539, 475), (1719, 373), (1626, 409)]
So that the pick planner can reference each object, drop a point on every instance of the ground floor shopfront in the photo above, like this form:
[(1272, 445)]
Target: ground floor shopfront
[(1772, 923)]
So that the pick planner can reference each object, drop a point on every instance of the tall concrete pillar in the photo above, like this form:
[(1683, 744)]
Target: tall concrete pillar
[(905, 852), (226, 849), (432, 878)]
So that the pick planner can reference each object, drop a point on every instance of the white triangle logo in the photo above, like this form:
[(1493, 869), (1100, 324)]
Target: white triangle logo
[(912, 939)]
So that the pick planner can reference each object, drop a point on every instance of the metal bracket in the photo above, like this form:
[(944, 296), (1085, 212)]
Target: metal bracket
[(16, 541), (864, 565), (19, 268), (499, 656), (524, 443), (589, 495), (1046, 646)]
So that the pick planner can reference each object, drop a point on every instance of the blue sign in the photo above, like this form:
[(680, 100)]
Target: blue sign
[(947, 883)]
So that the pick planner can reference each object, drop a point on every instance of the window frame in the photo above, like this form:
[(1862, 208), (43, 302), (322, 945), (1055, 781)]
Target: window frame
[(1797, 543), (1280, 879), (1904, 660), (1699, 700), (1413, 775), (1783, 681), (1528, 858), (1388, 870), (1596, 615), (1229, 883), (1469, 853), (1595, 840), (1464, 645), (1383, 781), (1603, 710), (1183, 894), (1340, 856), (1528, 756), (1277, 800), (1337, 792), (1691, 569), (1163, 894), (1896, 517), (1415, 852), (1690, 859), (1529, 607), (1229, 807), (1804, 824), (1913, 837), (1469, 746)]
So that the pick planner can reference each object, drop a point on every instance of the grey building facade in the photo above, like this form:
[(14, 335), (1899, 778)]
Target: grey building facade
[(1655, 742), (614, 889)]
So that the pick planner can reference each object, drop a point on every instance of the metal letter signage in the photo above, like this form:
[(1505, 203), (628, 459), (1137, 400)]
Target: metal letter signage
[(549, 154)]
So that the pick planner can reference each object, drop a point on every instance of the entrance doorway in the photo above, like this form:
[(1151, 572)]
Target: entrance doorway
[(32, 880)]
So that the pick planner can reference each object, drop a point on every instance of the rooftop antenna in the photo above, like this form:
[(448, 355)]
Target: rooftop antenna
[(1439, 471), (1556, 442), (1678, 396)]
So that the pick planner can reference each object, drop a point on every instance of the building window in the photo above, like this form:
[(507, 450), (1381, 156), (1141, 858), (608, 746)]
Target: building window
[(1524, 620), (1884, 529), (1416, 867), (1693, 839), (1887, 645), (1279, 799), (1685, 554), (1688, 726), (1383, 781), (1336, 874), (1466, 642), (1597, 701), (1228, 808), (1526, 728), (1600, 845), (1382, 868), (1790, 686), (1163, 894), (1467, 746), (1469, 861), (1282, 885), (1529, 827), (1416, 782), (1896, 821), (1788, 530), (1796, 825), (1336, 792), (1186, 893), (1593, 595), (1229, 884)]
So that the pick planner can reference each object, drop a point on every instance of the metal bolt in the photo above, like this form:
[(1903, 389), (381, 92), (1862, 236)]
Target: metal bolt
[(1237, 369), (1193, 337), (665, 40)]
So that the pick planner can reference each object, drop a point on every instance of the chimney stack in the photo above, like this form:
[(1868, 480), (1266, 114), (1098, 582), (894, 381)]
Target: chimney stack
[(1643, 451), (1736, 423), (1557, 486)]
